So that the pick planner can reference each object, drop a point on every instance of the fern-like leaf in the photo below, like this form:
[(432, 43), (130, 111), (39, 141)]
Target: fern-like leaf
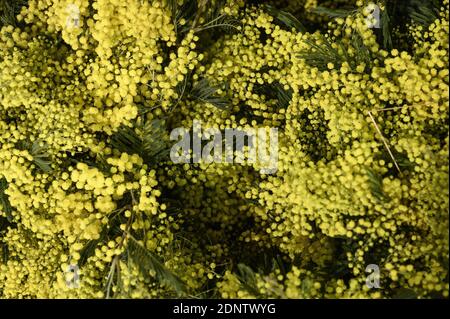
[(223, 22), (5, 253), (376, 185), (9, 9), (385, 22), (423, 12), (247, 278), (284, 96), (89, 249), (187, 12), (204, 92), (285, 18), (319, 55), (154, 140), (40, 157), (4, 201), (334, 13), (147, 262), (405, 293), (148, 140)]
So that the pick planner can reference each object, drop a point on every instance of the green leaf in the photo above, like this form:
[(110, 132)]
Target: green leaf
[(4, 201), (319, 55), (276, 91), (385, 22), (155, 140), (376, 185), (9, 9), (247, 278), (363, 54), (423, 12), (285, 18), (334, 13), (149, 140), (173, 7), (186, 11), (223, 22), (89, 249), (40, 157), (405, 293), (126, 140), (284, 97), (204, 92), (147, 262), (5, 253)]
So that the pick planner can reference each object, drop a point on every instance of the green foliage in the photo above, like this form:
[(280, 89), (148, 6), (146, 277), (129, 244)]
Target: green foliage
[(376, 185), (285, 18), (203, 91), (4, 201), (222, 22), (247, 278), (148, 139), (8, 11), (149, 263), (423, 12), (89, 249), (191, 11), (323, 51), (319, 55), (405, 293), (276, 91), (284, 96), (40, 157), (386, 29), (334, 13), (186, 11), (5, 254)]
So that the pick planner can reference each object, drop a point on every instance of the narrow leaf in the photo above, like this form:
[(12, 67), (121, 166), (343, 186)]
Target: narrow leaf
[(146, 261)]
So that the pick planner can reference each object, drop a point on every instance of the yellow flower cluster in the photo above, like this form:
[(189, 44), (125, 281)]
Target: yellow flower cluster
[(337, 184), (111, 57), (91, 208)]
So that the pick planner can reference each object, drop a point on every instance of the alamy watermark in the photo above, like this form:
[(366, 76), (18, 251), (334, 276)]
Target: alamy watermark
[(373, 20), (73, 16), (210, 145), (72, 276), (373, 279)]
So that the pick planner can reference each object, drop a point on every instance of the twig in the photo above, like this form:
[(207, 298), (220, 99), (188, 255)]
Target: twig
[(384, 141), (396, 108)]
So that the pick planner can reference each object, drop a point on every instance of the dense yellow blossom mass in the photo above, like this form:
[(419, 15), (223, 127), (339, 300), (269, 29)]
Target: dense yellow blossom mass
[(92, 207)]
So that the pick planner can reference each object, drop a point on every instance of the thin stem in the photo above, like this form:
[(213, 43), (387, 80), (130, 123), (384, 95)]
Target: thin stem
[(384, 141)]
